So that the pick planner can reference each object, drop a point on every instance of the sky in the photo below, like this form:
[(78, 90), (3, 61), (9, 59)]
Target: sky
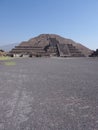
[(21, 20)]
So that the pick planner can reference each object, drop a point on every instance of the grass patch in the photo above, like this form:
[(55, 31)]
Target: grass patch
[(10, 63), (2, 58)]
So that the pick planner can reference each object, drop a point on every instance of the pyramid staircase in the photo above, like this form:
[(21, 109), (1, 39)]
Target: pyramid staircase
[(68, 50)]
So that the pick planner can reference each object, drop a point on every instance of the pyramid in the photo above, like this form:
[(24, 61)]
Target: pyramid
[(51, 45)]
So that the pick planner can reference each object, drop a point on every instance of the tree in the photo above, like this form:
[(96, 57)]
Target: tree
[(94, 54)]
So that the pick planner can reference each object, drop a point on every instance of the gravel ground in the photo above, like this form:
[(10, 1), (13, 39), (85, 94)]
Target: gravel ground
[(49, 94)]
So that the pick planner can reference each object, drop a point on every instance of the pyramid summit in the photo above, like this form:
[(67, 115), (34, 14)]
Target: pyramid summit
[(51, 45)]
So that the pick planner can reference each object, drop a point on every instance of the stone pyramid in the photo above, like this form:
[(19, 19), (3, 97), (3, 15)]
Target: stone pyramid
[(51, 45)]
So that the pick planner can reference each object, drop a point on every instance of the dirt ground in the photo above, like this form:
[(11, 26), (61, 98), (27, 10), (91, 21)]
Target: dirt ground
[(49, 94)]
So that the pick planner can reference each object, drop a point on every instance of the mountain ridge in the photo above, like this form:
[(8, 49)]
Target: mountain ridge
[(8, 47)]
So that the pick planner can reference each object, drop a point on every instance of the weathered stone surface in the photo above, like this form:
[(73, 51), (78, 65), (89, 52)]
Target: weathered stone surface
[(52, 45)]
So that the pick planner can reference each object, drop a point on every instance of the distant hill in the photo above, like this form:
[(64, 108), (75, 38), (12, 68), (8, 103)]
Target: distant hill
[(52, 44), (8, 47)]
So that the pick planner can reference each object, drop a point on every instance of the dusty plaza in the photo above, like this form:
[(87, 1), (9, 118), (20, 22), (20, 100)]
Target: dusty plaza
[(49, 94)]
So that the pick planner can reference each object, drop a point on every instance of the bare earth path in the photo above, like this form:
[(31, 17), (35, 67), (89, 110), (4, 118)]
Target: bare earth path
[(49, 94)]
